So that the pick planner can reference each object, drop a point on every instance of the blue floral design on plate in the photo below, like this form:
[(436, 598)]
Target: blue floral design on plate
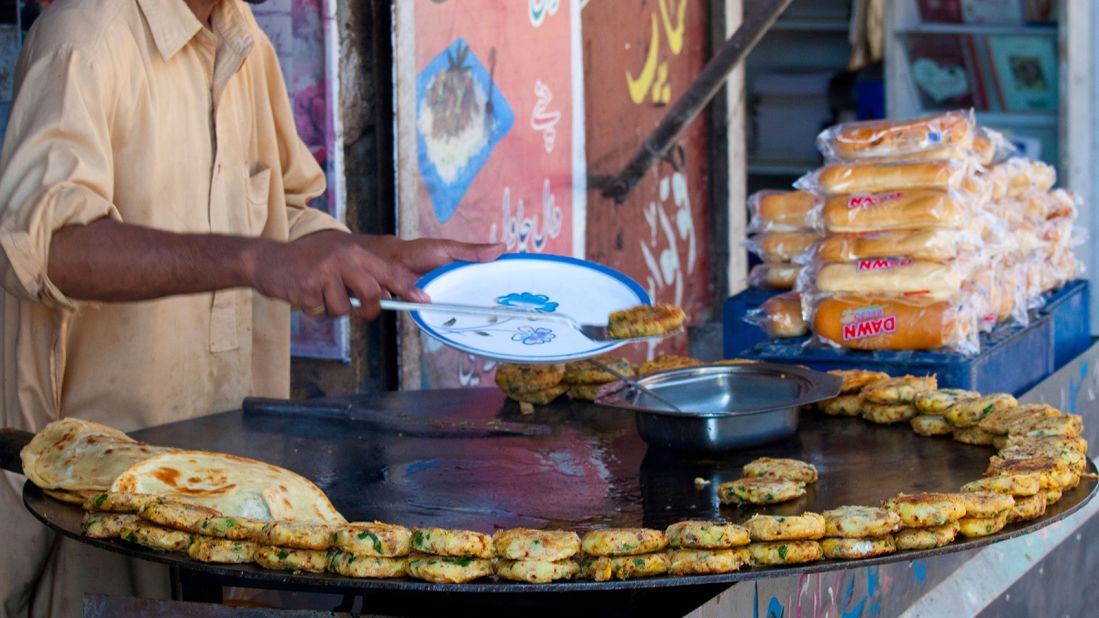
[(533, 335), (527, 300)]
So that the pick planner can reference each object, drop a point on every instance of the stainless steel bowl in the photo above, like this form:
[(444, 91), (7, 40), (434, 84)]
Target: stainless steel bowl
[(722, 407)]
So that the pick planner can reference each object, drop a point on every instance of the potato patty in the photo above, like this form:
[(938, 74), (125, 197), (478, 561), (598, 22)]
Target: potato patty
[(606, 568), (286, 559), (888, 413), (623, 542), (931, 425), (1028, 508), (804, 527), (373, 539), (760, 491), (986, 503), (1070, 456), (926, 509), (177, 515), (118, 502), (860, 521), (155, 537), (971, 411), (516, 379), (297, 535), (585, 392), (898, 390), (1052, 496), (106, 525), (939, 401), (1012, 484), (536, 545), (667, 362), (359, 566), (706, 562), (982, 526), (448, 570), (645, 321), (1075, 443), (844, 405), (973, 435), (778, 468), (853, 549), (1070, 425), (233, 528), (855, 379), (926, 538), (452, 543), (221, 551), (587, 372), (706, 535), (784, 552), (540, 398), (998, 421), (536, 571), (1053, 473)]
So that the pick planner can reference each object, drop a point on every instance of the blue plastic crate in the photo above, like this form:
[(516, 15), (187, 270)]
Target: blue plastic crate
[(1012, 359), (740, 335), (1069, 308)]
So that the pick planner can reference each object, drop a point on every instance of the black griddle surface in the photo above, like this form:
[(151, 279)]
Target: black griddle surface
[(468, 459)]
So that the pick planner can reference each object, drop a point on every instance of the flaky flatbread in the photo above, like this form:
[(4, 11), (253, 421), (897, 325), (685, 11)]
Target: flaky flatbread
[(235, 486), (76, 455)]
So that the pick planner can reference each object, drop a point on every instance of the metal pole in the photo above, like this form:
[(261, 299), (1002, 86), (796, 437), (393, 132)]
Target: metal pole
[(709, 81)]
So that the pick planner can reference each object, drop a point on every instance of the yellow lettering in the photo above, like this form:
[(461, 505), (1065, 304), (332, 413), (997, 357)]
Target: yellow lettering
[(675, 35), (639, 87)]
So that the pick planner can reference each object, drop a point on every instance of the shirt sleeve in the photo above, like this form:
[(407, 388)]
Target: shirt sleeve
[(56, 168), (302, 177)]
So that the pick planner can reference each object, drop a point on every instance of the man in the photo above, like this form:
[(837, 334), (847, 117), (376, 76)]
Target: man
[(154, 233)]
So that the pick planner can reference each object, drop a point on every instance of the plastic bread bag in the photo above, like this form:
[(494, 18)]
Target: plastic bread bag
[(889, 277), (881, 177), (991, 147), (782, 211), (1060, 268), (1022, 176), (779, 317), (896, 210), (870, 139), (936, 244), (774, 276), (1062, 203), (781, 246), (872, 322)]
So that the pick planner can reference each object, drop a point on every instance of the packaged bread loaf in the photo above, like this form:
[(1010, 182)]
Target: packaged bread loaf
[(878, 177), (781, 246), (871, 322), (1020, 176), (891, 277), (933, 244), (895, 210), (991, 147), (782, 211), (774, 276), (780, 316), (888, 138)]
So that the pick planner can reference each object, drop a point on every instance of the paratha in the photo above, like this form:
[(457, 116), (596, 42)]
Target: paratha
[(235, 486), (74, 455)]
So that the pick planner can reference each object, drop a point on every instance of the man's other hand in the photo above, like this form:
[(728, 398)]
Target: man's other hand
[(320, 272)]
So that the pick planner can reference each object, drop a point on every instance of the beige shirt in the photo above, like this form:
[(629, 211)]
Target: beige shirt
[(131, 109)]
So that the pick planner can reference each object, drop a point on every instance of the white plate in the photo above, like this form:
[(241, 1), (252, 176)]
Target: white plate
[(586, 291)]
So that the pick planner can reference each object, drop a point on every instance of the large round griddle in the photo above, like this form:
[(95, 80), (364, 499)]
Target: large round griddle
[(468, 459)]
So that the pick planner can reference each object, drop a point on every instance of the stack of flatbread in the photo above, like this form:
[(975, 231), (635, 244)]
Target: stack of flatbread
[(73, 459)]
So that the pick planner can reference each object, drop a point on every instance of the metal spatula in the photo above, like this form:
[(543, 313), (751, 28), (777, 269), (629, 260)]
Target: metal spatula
[(595, 332)]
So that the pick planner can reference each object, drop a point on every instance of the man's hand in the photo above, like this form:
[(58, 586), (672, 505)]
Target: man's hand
[(319, 272)]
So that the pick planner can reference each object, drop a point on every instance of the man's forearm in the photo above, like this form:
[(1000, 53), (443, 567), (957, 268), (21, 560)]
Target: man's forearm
[(112, 261)]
